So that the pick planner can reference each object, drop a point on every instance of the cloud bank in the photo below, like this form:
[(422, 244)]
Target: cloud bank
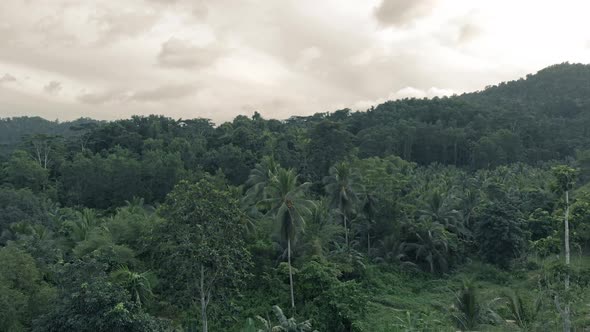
[(217, 59)]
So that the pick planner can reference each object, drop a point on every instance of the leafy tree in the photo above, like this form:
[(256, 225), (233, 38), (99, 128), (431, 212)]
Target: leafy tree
[(23, 294), (200, 245), (499, 233), (21, 206), (97, 306), (329, 143), (23, 172)]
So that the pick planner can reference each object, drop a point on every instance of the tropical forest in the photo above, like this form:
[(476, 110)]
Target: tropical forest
[(462, 213)]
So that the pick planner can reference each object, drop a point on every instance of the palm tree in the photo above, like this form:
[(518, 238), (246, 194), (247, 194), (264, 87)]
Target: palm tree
[(138, 284), (80, 229), (524, 313), (437, 208), (469, 313), (285, 324), (469, 202), (289, 206), (431, 245), (368, 216), (343, 187), (320, 230), (259, 178)]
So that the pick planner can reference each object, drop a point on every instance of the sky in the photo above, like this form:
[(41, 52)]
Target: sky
[(215, 59)]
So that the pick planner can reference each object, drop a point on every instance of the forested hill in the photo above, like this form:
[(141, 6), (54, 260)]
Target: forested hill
[(542, 117), (439, 214), (14, 130)]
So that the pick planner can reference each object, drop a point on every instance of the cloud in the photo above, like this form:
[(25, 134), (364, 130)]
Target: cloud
[(165, 92), (192, 58), (105, 97), (53, 87), (406, 92), (468, 32), (179, 53), (113, 25), (7, 78), (402, 12), (122, 96), (198, 8)]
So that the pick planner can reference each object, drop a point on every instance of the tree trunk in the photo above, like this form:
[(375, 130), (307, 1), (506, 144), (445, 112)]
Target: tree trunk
[(566, 318), (368, 243), (567, 232), (203, 300), (565, 314), (345, 229), (567, 324), (290, 273)]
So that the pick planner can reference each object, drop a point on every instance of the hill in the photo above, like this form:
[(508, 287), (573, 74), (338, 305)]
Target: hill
[(416, 215)]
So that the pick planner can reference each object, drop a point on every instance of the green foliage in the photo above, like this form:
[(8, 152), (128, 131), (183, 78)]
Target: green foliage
[(284, 324), (98, 306), (379, 214), (469, 312), (429, 245), (23, 294), (499, 233), (199, 247), (23, 172), (524, 312), (565, 177), (333, 305)]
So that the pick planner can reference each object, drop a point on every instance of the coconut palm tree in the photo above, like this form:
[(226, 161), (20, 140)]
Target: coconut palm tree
[(469, 312), (285, 324), (80, 228), (138, 284), (259, 179), (320, 230), (289, 206), (343, 187), (469, 202), (430, 245), (367, 215), (437, 208), (523, 312)]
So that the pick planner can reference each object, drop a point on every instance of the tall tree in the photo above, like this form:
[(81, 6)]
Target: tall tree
[(200, 245), (343, 187), (566, 178), (289, 206)]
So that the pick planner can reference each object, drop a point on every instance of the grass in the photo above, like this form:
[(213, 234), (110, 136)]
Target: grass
[(419, 302)]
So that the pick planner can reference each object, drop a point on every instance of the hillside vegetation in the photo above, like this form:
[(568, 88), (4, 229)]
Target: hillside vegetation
[(469, 212)]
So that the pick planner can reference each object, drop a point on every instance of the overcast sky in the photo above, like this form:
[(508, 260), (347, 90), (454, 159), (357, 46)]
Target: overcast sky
[(64, 59)]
